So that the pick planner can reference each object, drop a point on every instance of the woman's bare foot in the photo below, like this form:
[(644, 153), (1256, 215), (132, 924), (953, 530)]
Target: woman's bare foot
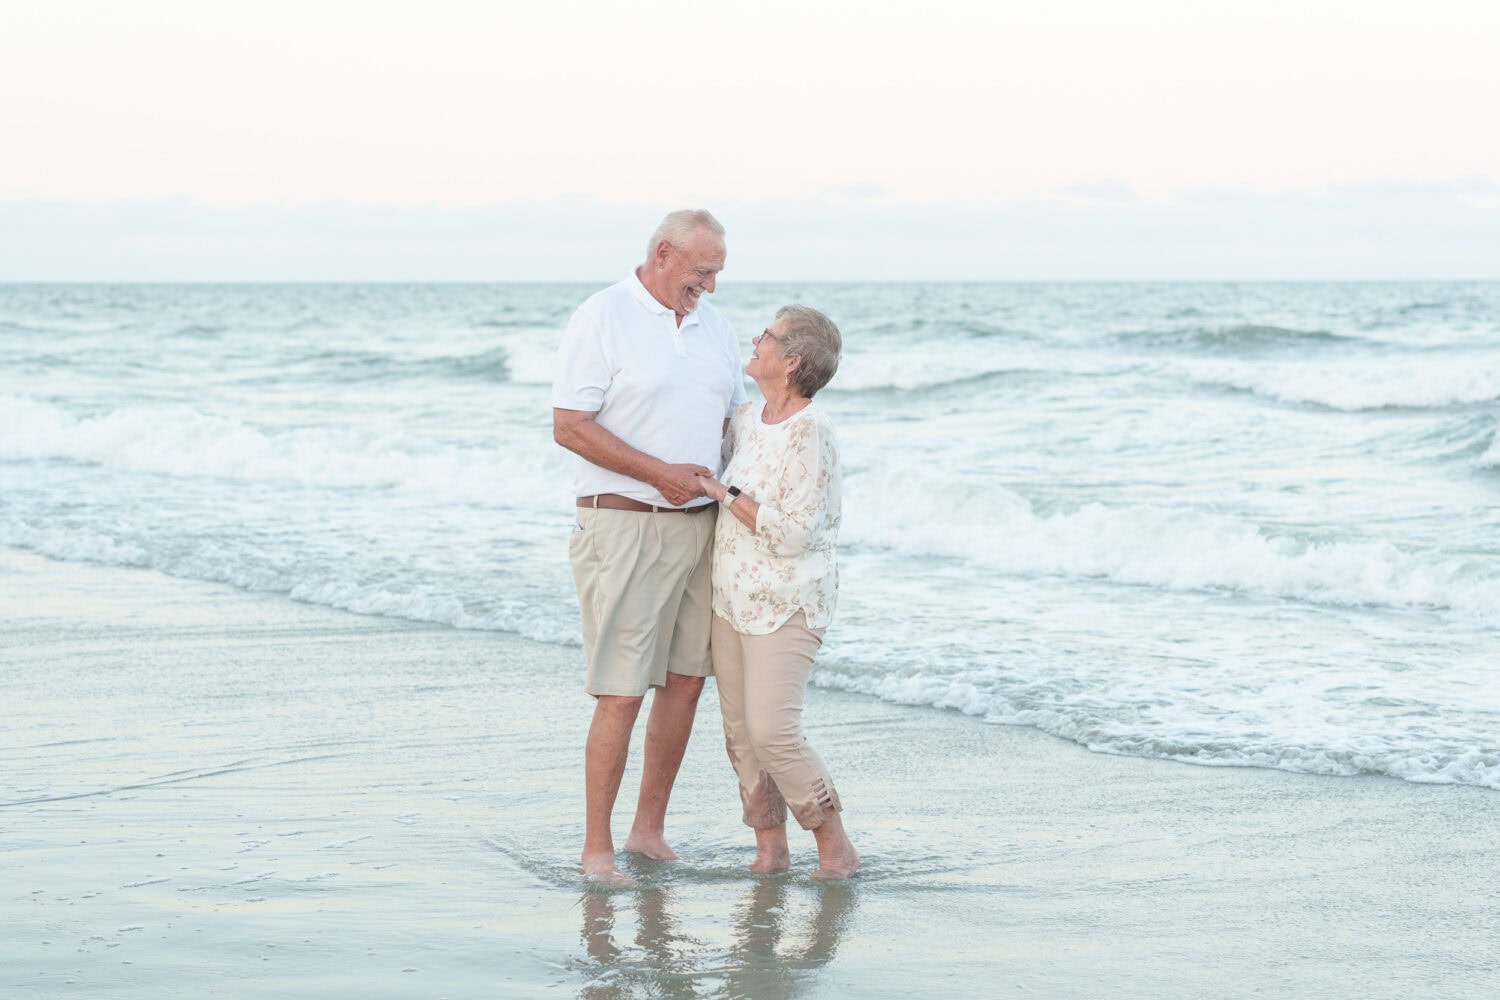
[(836, 870), (771, 851), (652, 845), (837, 858)]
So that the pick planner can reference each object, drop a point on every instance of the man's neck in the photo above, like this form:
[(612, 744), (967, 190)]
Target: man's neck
[(642, 274)]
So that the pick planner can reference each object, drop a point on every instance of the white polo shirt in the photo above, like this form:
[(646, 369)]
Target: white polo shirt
[(661, 388)]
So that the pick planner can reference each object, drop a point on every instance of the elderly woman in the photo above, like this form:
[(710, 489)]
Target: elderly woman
[(774, 588)]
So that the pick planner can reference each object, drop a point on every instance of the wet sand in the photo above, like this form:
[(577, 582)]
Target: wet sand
[(210, 793)]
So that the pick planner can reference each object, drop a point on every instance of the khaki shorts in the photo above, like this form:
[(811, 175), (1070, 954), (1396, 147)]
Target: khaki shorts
[(644, 589)]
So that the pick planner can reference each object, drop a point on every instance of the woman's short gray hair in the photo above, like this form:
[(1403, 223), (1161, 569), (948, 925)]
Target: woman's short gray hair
[(811, 336), (680, 226)]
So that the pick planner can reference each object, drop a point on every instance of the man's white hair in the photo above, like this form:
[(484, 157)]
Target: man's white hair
[(680, 226)]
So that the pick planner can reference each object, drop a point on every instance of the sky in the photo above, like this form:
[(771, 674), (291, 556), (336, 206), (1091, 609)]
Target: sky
[(464, 141)]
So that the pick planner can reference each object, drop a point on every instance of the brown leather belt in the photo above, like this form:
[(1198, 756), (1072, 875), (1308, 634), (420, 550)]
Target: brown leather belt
[(613, 501)]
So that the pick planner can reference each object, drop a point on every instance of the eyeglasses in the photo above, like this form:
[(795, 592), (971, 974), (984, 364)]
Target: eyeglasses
[(767, 333)]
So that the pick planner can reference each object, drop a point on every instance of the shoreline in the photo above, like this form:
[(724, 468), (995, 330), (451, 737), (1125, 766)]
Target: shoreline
[(233, 794)]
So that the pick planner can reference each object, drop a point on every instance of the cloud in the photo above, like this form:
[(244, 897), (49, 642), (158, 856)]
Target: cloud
[(1107, 190), (1101, 231)]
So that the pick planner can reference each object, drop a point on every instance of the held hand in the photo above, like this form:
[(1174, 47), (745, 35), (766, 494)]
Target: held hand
[(679, 483), (712, 488)]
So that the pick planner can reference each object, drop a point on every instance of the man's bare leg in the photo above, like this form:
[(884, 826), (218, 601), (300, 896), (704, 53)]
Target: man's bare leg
[(667, 732), (603, 766), (772, 853), (837, 858)]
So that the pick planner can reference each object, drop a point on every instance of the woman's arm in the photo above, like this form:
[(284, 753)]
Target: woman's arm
[(745, 508), (804, 505)]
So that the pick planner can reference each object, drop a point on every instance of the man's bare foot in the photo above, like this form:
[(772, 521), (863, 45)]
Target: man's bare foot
[(600, 870), (652, 845), (771, 851), (610, 880)]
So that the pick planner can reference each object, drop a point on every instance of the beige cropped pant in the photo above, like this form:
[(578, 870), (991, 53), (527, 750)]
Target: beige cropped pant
[(761, 681)]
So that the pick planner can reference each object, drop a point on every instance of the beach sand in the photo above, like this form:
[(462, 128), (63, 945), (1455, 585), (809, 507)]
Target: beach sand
[(209, 793)]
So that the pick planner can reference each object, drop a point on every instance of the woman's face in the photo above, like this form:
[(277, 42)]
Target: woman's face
[(767, 362)]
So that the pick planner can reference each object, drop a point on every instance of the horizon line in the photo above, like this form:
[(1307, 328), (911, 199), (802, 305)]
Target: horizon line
[(5, 282)]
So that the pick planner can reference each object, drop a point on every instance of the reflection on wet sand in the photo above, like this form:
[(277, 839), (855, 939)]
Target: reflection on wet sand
[(774, 941)]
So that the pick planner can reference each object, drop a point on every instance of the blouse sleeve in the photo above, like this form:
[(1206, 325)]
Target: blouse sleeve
[(804, 510), (726, 447)]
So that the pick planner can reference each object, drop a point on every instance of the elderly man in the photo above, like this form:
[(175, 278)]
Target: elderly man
[(647, 377)]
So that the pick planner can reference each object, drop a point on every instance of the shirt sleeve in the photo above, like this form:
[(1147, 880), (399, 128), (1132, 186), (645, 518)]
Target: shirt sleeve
[(804, 511), (583, 370)]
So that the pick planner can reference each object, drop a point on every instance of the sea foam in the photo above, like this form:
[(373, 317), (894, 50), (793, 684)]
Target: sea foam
[(183, 442), (1090, 723), (1161, 547), (1491, 458), (1354, 385), (1130, 544)]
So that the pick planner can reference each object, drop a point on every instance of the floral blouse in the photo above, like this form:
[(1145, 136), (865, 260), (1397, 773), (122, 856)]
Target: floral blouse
[(786, 565)]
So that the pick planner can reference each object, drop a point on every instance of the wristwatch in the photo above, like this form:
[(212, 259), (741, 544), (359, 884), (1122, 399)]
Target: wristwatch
[(733, 494)]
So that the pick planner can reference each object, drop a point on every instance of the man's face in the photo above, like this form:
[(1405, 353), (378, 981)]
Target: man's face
[(690, 270)]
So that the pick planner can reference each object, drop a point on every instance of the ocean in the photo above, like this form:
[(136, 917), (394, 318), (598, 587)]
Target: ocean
[(1225, 524)]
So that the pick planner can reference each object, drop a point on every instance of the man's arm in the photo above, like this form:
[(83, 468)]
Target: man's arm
[(579, 432)]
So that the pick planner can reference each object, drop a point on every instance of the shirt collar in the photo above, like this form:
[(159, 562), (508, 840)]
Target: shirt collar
[(647, 300)]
